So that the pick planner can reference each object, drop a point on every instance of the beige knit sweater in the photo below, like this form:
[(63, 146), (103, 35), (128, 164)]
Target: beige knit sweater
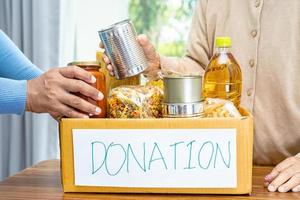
[(266, 42)]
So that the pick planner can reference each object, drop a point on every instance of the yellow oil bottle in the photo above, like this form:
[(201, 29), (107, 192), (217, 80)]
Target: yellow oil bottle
[(223, 76)]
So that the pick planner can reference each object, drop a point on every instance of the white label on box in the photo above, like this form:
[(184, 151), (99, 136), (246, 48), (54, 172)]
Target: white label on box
[(151, 158)]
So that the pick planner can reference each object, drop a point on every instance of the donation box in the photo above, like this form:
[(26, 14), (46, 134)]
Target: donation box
[(192, 156)]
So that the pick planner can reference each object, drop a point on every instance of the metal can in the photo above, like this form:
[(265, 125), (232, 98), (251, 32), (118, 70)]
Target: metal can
[(182, 96), (183, 110), (182, 89), (122, 48)]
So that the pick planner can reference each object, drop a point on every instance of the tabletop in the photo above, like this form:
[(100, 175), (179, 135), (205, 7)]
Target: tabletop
[(42, 181)]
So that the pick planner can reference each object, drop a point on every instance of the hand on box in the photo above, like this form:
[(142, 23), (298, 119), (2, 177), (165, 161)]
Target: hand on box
[(285, 176), (52, 93), (152, 57)]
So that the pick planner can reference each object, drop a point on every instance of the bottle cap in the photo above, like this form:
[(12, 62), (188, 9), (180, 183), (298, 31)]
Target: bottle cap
[(223, 42)]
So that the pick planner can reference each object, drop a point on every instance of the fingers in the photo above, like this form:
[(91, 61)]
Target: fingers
[(149, 51), (69, 112), (77, 73), (291, 184), (110, 69), (266, 184), (108, 65), (152, 56), (72, 85), (296, 189), (80, 104), (56, 115), (282, 178), (106, 59), (148, 48), (142, 39), (279, 168), (101, 45)]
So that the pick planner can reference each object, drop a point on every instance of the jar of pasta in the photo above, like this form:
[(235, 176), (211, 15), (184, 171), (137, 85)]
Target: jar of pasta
[(94, 68)]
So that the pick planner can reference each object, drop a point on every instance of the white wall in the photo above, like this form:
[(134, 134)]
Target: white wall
[(93, 15), (80, 21)]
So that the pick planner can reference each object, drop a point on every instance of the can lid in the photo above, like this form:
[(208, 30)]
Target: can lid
[(85, 64), (183, 77), (169, 74), (115, 25)]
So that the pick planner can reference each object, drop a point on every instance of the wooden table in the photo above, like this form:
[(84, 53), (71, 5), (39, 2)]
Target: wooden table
[(42, 181)]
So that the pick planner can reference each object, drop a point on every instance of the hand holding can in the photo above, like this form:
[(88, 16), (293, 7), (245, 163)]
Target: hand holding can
[(127, 54)]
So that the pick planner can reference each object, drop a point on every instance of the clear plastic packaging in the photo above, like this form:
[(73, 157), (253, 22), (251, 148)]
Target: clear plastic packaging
[(220, 108), (159, 83), (135, 102)]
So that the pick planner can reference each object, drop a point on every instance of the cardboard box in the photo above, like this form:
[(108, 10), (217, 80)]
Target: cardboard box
[(139, 155)]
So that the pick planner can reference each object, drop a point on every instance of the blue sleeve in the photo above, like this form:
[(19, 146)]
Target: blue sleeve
[(15, 69), (12, 96), (13, 63)]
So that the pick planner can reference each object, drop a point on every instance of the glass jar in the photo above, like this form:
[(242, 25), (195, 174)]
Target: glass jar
[(94, 68)]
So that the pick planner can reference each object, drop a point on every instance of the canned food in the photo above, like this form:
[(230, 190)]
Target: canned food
[(182, 96), (122, 48), (111, 82), (182, 89), (183, 110)]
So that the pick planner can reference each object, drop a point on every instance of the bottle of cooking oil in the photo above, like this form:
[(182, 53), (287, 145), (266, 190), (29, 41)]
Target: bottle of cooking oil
[(223, 76)]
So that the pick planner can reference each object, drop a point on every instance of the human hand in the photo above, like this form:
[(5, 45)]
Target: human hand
[(152, 57), (285, 176), (52, 93)]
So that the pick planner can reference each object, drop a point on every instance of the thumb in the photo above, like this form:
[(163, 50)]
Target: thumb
[(143, 40), (147, 46)]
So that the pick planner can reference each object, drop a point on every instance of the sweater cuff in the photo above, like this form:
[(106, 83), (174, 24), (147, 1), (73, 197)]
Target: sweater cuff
[(33, 73), (298, 155), (184, 66), (13, 96)]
